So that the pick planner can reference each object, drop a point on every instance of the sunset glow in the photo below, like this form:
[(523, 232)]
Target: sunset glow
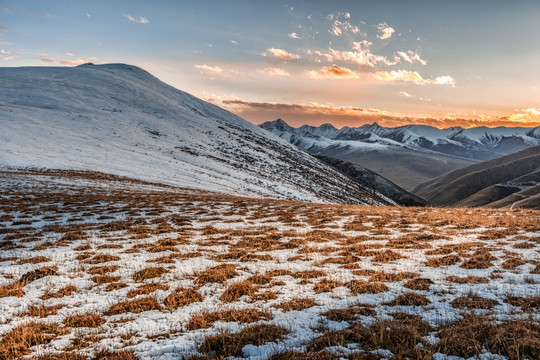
[(347, 63)]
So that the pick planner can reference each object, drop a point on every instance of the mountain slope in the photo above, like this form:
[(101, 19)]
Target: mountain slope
[(495, 183), (372, 180), (119, 119), (411, 154)]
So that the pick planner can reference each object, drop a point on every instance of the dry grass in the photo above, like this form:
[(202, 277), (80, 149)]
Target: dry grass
[(467, 279), (102, 270), (65, 291), (149, 273), (182, 297), (479, 260), (421, 284), (443, 261), (134, 306), (85, 320), (147, 289), (17, 342), (236, 290), (230, 344), (363, 287), (207, 319), (43, 311), (409, 299), (296, 305), (217, 274), (326, 285), (473, 302)]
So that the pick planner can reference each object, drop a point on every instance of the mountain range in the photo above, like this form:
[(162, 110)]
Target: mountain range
[(407, 155), (119, 119)]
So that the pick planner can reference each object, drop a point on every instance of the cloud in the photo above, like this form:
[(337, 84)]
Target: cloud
[(5, 9), (67, 62), (332, 72), (405, 94), (294, 35), (45, 15), (88, 15), (341, 27), (274, 71), (6, 55), (2, 28), (385, 31), (139, 20), (362, 56), (281, 54), (317, 114), (411, 57), (234, 42), (412, 76), (209, 69)]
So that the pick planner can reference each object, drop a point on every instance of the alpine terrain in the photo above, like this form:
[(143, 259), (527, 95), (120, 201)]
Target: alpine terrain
[(119, 119), (408, 155)]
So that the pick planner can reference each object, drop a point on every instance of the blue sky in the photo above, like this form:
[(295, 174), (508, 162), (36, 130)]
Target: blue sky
[(345, 62)]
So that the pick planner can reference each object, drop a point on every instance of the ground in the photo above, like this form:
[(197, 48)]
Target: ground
[(96, 266)]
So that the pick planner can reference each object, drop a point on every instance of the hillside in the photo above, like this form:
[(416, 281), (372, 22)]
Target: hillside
[(502, 182), (119, 119), (407, 155), (374, 181)]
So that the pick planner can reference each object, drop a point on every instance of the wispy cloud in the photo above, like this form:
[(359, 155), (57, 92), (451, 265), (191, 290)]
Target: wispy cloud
[(5, 9), (280, 54), (138, 20), (411, 57), (6, 55), (413, 76), (88, 15), (71, 61), (2, 28), (385, 31), (332, 72), (341, 27), (210, 70), (274, 71)]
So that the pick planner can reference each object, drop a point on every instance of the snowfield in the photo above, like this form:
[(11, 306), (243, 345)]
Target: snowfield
[(98, 266)]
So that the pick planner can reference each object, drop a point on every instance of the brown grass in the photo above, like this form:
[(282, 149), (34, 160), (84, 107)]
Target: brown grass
[(207, 319), (149, 273), (105, 279), (43, 311), (17, 342), (236, 290), (409, 299), (102, 270), (296, 304), (182, 297), (387, 256), (443, 261), (229, 344), (85, 320), (34, 260), (147, 289), (473, 302), (363, 287), (65, 291), (479, 260), (217, 274), (134, 306), (102, 258), (526, 303), (349, 314), (467, 279), (326, 285), (421, 284)]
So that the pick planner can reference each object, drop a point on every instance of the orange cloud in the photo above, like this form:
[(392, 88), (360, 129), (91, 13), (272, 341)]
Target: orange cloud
[(209, 69), (332, 72), (339, 116)]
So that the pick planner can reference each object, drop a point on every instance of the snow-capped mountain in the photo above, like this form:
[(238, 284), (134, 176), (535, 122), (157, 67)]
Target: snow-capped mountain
[(411, 154), (478, 143), (120, 119)]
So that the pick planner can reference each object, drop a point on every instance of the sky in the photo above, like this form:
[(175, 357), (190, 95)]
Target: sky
[(348, 63)]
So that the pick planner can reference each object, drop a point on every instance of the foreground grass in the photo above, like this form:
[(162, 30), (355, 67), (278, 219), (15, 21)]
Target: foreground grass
[(95, 266)]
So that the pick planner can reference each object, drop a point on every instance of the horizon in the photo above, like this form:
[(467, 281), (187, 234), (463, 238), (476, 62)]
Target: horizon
[(346, 63)]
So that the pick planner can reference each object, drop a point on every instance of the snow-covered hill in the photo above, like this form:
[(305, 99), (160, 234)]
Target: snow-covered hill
[(119, 119)]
